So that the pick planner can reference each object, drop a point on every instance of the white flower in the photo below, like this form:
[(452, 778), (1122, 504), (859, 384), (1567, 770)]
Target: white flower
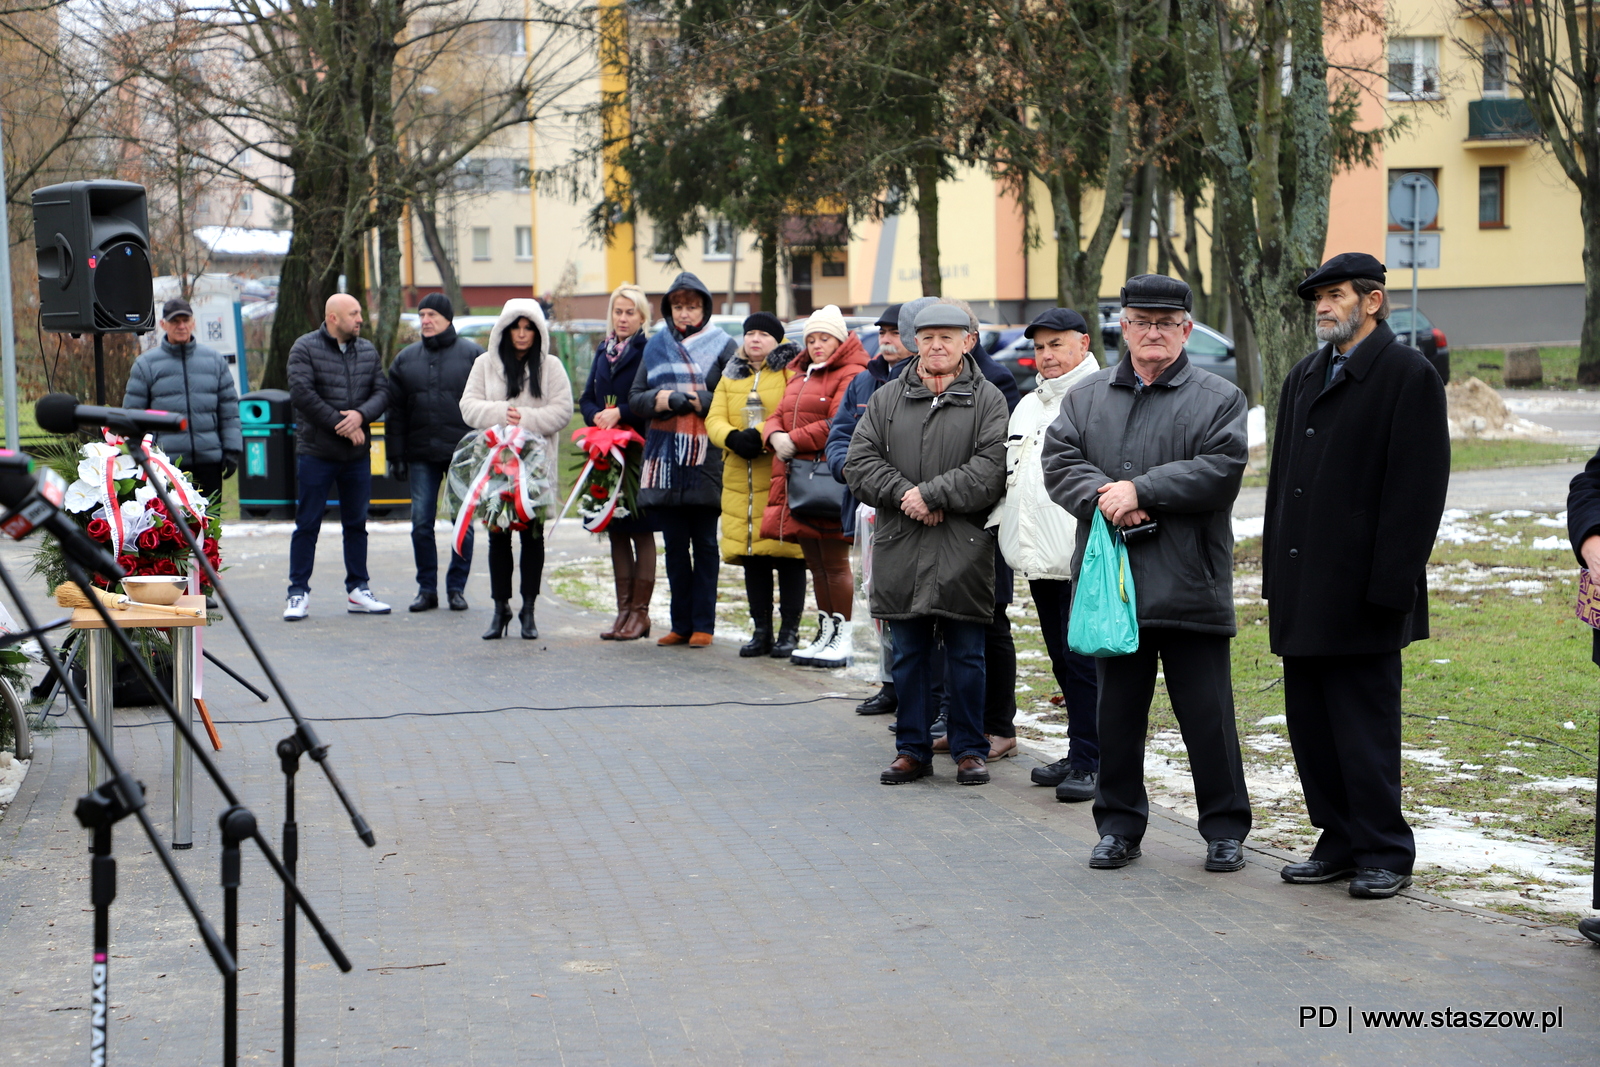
[(135, 519), (81, 496), (100, 450)]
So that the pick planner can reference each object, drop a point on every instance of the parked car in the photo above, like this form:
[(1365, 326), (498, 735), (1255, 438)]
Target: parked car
[(864, 326), (1208, 349), (1430, 340)]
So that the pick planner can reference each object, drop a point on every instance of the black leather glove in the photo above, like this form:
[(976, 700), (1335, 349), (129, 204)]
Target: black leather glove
[(399, 470), (745, 444), (230, 464), (680, 403)]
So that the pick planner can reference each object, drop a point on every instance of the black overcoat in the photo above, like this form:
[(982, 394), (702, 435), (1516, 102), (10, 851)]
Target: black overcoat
[(1354, 498), (1583, 517)]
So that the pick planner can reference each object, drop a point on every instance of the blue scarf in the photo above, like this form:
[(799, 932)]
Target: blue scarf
[(678, 364)]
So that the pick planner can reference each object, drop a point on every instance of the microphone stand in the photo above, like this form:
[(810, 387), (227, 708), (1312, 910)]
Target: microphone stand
[(303, 741), (98, 810)]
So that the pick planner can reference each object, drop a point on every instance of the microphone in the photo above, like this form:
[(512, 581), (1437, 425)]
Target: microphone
[(61, 413), (36, 502)]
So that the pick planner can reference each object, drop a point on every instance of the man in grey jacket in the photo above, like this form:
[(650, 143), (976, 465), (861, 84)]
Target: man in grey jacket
[(1155, 442), (185, 377), (929, 455), (337, 383)]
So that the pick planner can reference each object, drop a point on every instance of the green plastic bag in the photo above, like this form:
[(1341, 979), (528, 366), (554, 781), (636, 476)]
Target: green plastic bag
[(1105, 614)]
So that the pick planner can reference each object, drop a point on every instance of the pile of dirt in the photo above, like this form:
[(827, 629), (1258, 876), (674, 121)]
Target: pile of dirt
[(1477, 411)]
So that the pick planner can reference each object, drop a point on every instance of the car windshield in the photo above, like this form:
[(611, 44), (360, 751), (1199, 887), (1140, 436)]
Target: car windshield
[(1400, 320)]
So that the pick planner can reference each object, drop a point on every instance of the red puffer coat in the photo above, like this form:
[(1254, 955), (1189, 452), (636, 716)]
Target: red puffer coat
[(805, 415)]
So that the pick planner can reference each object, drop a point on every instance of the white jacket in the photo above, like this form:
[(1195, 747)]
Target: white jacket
[(484, 401), (1036, 534)]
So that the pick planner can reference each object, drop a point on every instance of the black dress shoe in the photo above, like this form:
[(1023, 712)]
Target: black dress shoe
[(883, 702), (1077, 786), (458, 600), (904, 769), (1225, 854), (1113, 851), (1590, 928), (425, 602), (760, 643), (1054, 774), (1375, 883), (1315, 872)]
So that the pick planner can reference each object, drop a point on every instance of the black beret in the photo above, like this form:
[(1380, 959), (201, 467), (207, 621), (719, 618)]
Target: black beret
[(890, 317), (1157, 291), (1341, 268), (767, 323), (1057, 319)]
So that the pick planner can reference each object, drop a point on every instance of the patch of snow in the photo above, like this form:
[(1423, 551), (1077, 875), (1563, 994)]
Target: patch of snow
[(12, 772), (1251, 527), (1560, 785), (1551, 543), (1272, 720), (1255, 426)]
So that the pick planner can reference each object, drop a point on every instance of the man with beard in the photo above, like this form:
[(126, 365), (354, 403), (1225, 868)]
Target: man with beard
[(1360, 464)]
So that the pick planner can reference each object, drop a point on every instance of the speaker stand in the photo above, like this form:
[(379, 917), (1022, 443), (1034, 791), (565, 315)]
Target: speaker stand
[(99, 368)]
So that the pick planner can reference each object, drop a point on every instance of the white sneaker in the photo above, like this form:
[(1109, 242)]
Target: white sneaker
[(361, 601), (841, 650), (297, 606), (803, 654)]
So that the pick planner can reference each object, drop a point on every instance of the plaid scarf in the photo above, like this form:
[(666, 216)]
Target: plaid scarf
[(612, 346), (680, 365)]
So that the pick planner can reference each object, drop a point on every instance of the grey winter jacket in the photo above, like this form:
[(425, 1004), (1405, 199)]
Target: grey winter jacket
[(323, 382), (196, 382), (953, 448), (1181, 441)]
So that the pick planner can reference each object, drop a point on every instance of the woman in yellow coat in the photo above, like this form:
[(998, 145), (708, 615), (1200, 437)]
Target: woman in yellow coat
[(752, 385)]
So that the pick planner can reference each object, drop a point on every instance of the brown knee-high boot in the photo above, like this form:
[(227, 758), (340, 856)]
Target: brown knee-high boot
[(644, 585), (622, 569)]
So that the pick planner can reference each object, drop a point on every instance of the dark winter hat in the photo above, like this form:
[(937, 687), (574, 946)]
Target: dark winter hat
[(440, 303), (1341, 268), (1157, 291), (1057, 319), (890, 317), (939, 315), (176, 306), (767, 323)]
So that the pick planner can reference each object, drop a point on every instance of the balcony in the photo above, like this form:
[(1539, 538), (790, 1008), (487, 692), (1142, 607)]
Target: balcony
[(1498, 121)]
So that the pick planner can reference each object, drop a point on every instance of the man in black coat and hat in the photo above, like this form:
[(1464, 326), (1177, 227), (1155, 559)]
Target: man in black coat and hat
[(1360, 465)]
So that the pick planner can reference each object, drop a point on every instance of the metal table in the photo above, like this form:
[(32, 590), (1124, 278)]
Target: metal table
[(100, 672)]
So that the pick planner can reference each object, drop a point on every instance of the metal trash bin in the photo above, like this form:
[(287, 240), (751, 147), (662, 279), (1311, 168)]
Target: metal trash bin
[(267, 475)]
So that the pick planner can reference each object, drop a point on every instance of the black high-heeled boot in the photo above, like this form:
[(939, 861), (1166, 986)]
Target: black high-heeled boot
[(530, 629), (500, 621), (787, 641)]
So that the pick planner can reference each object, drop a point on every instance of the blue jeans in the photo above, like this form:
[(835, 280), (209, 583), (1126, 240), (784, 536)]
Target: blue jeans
[(691, 531), (316, 477), (425, 481), (916, 643)]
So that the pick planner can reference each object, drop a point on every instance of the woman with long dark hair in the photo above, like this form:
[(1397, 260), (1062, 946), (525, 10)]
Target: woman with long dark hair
[(605, 404), (519, 382)]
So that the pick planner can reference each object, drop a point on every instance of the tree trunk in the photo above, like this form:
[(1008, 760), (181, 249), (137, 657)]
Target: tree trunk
[(428, 219), (927, 176), (768, 240), (1589, 340), (389, 296), (1140, 206), (312, 267)]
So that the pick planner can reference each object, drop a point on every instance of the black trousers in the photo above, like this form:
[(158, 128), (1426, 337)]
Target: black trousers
[(1075, 672), (1200, 681), (500, 565), (206, 477), (1000, 676), (1344, 726), (758, 572)]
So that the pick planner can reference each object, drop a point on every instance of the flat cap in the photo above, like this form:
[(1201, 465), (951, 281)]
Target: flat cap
[(1157, 291), (1057, 319), (176, 306), (1341, 268), (890, 317), (938, 315)]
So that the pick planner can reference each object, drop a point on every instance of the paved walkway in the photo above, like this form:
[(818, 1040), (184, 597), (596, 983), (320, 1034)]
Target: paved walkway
[(1534, 488), (676, 857)]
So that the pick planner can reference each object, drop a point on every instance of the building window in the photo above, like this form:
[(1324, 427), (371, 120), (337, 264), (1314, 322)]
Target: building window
[(447, 238), (525, 242), (1491, 198), (833, 268), (1433, 175), (246, 157), (721, 239), (247, 203), (480, 242), (1494, 66), (503, 37), (1414, 68)]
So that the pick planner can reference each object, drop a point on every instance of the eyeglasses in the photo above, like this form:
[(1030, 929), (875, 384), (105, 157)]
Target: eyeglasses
[(1145, 325)]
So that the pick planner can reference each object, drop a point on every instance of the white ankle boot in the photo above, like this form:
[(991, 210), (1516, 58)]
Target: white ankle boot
[(841, 650), (803, 654)]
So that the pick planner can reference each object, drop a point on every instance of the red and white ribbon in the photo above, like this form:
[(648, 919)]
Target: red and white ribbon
[(499, 439)]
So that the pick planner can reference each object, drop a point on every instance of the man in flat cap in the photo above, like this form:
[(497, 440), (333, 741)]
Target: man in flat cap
[(1360, 464), (1158, 443)]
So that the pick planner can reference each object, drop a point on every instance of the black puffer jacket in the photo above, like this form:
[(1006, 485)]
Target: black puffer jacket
[(196, 382), (324, 381), (424, 423)]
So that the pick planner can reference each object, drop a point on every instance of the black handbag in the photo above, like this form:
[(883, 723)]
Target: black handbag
[(813, 494)]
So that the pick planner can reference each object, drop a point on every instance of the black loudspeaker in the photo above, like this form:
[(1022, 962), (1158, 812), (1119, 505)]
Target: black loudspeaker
[(92, 240)]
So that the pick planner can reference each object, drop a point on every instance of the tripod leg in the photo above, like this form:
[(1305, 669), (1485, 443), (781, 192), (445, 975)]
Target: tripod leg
[(237, 824), (102, 891), (289, 750)]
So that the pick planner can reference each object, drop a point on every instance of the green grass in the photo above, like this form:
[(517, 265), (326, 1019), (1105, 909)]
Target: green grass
[(1560, 367), (1477, 455)]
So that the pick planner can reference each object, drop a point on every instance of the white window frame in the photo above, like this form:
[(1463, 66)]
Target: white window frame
[(1424, 57), (482, 244), (524, 244), (1494, 44), (720, 232), (247, 203)]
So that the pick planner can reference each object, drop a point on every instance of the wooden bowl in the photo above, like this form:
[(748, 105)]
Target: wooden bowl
[(155, 589)]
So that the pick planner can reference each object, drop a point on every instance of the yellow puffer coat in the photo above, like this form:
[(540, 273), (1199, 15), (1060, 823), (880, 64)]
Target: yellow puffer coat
[(745, 482)]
